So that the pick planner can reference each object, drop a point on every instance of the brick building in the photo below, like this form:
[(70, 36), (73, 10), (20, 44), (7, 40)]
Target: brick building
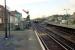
[(2, 11), (13, 16)]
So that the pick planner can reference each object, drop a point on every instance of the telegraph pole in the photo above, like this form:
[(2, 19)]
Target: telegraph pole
[(6, 21), (9, 25)]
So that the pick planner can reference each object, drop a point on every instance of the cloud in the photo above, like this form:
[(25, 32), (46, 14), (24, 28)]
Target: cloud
[(72, 1), (16, 4)]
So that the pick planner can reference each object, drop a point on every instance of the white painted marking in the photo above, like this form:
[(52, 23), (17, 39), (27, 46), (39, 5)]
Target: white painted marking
[(43, 48)]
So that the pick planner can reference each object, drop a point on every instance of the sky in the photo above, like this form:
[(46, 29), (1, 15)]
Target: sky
[(41, 8)]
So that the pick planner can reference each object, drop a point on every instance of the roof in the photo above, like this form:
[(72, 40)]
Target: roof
[(13, 13)]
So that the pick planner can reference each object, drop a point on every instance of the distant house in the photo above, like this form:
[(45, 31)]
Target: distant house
[(15, 18), (72, 19), (12, 20), (73, 16)]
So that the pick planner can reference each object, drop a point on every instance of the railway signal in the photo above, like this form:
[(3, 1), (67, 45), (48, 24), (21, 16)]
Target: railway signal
[(28, 18), (27, 12)]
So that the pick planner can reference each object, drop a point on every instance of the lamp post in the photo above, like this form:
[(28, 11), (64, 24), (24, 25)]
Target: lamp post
[(6, 21), (66, 11), (67, 15)]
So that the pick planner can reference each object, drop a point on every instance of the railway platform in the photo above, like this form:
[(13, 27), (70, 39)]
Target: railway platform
[(20, 40), (67, 36)]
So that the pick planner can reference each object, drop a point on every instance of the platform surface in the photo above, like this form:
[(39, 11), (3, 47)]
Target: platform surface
[(20, 40)]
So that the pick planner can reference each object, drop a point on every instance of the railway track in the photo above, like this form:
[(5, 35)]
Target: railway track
[(64, 37), (49, 41), (68, 44)]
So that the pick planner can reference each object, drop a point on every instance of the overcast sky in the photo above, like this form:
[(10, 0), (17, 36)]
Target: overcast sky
[(41, 8)]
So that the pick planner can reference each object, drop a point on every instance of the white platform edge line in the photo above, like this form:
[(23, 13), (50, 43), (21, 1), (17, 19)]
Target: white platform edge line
[(39, 41)]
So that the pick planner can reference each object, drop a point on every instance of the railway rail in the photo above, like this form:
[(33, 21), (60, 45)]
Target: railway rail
[(52, 41)]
